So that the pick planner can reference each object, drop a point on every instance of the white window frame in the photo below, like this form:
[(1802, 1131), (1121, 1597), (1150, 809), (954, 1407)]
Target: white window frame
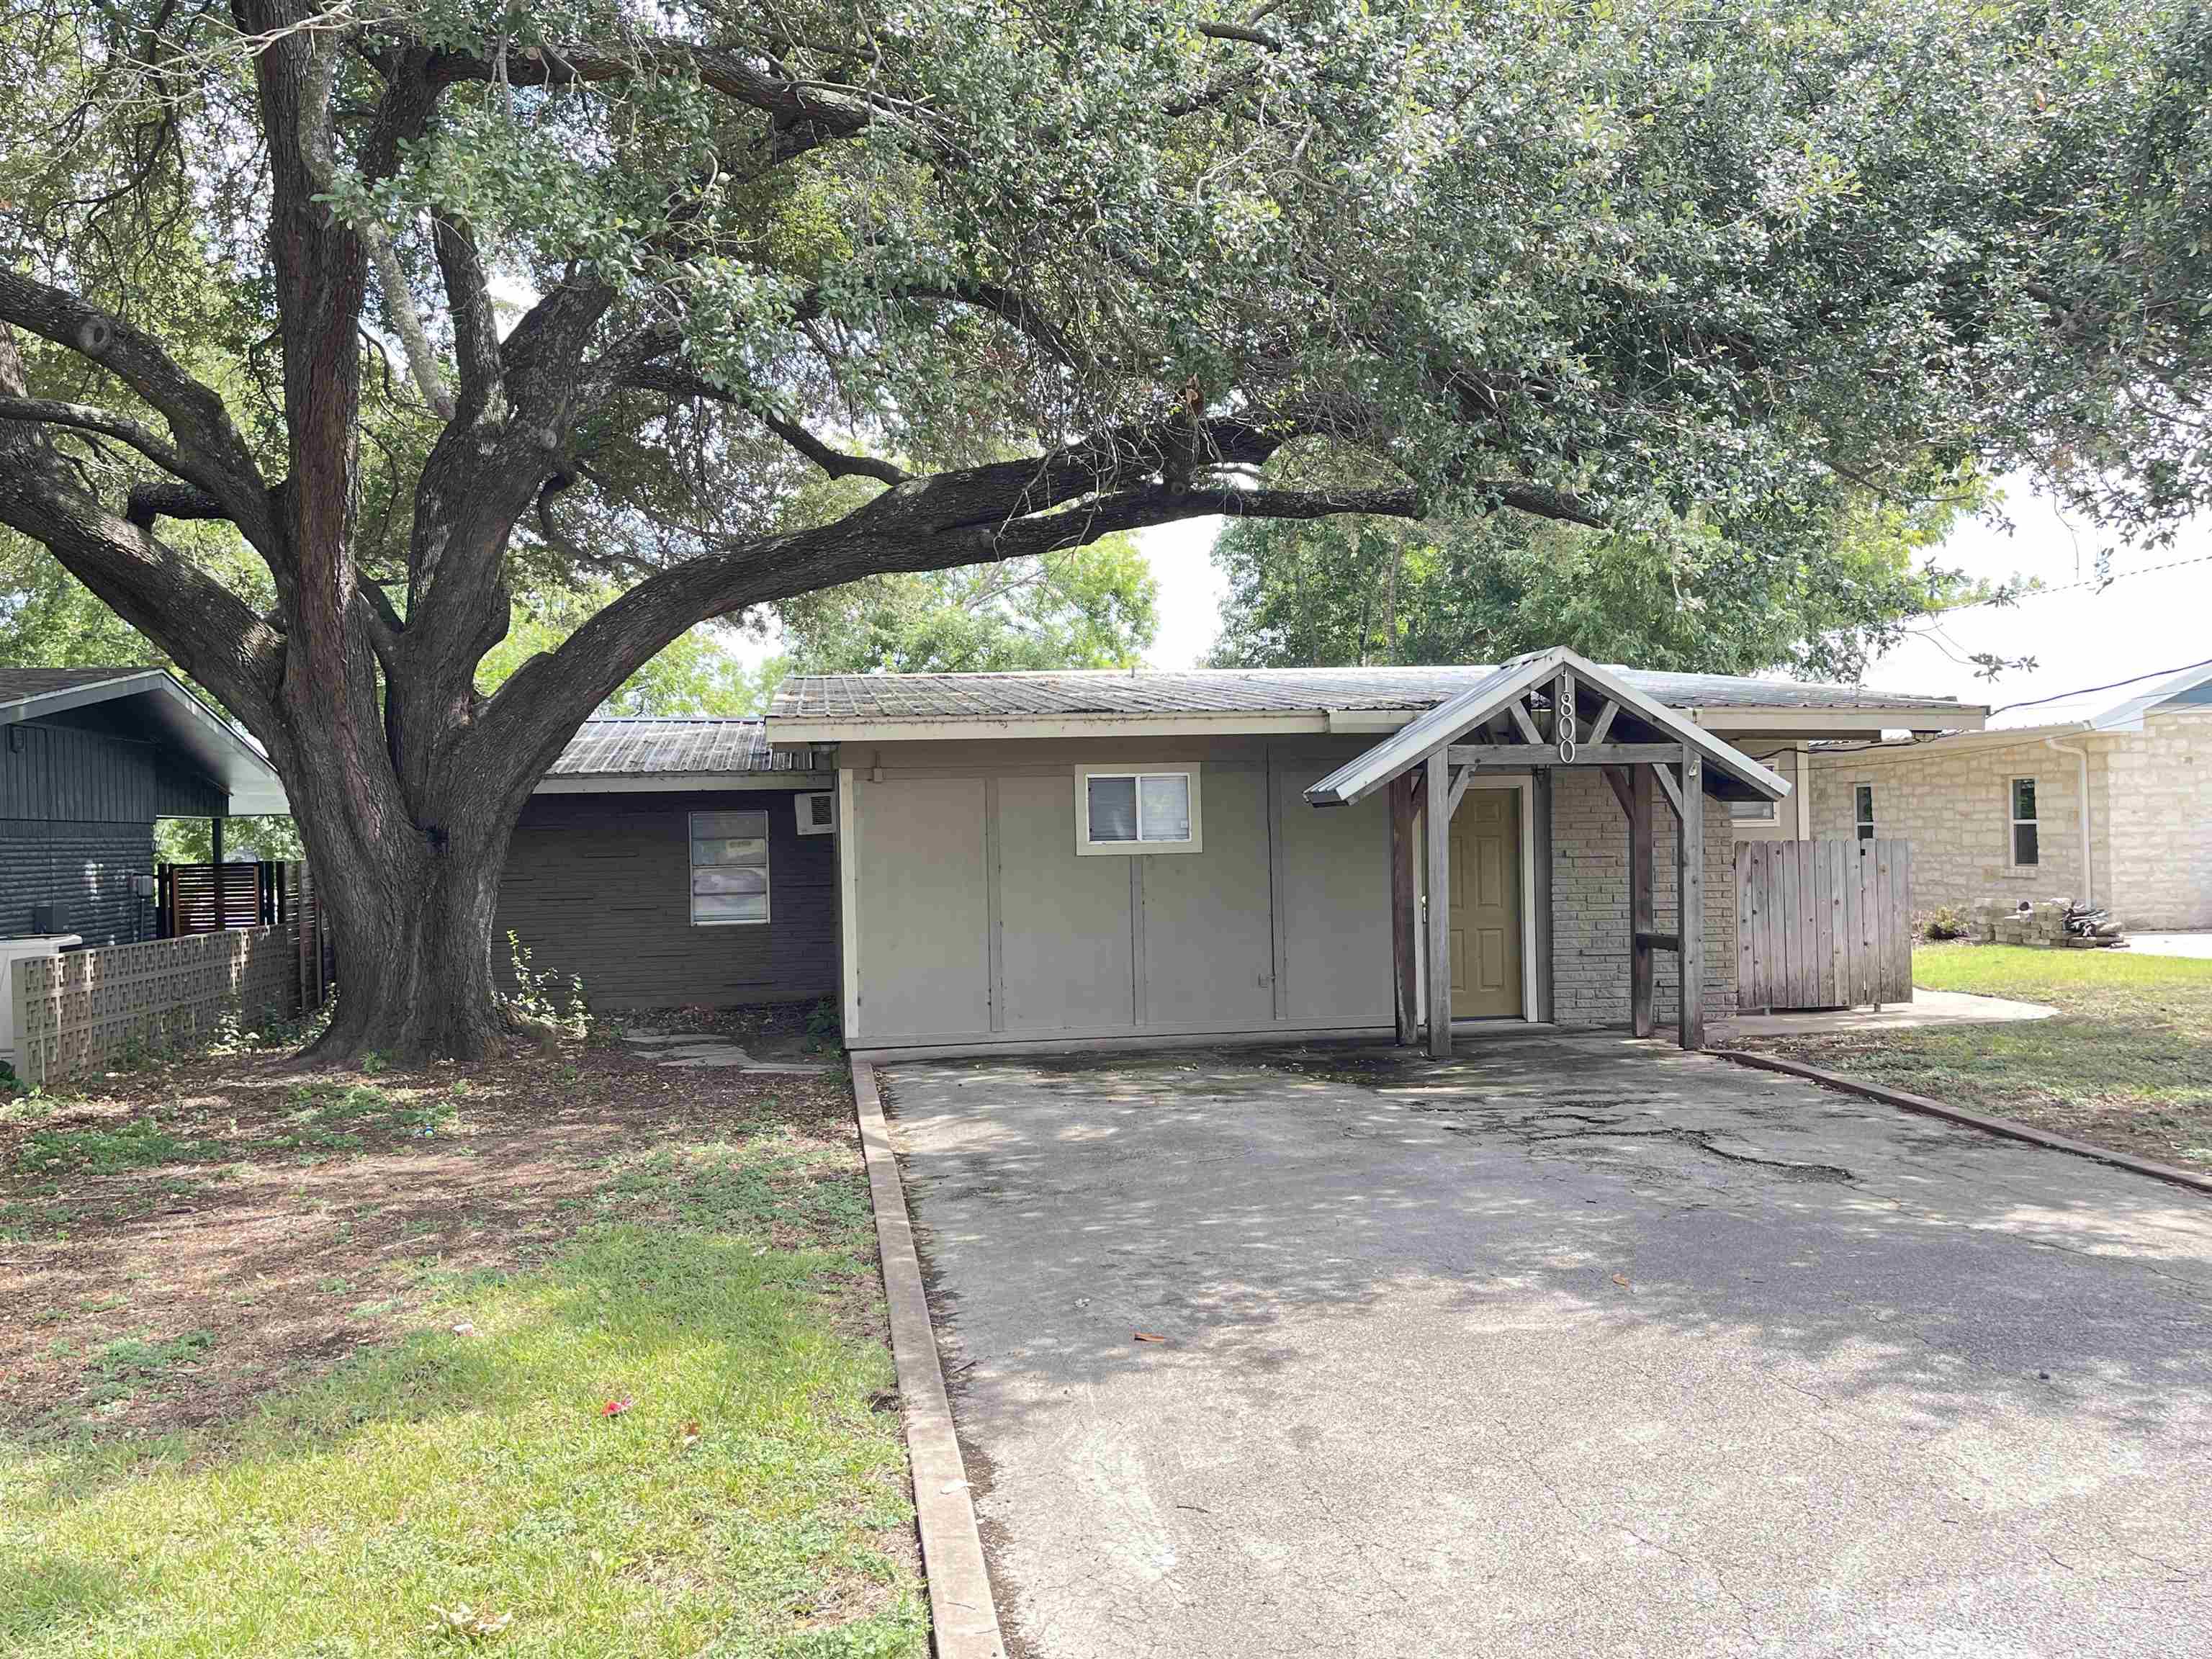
[(767, 859), (806, 826), (2013, 821), (1767, 812), (1086, 847), (1863, 828)]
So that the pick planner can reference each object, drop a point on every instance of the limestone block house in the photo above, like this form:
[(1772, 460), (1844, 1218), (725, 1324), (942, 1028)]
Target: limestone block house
[(2104, 798)]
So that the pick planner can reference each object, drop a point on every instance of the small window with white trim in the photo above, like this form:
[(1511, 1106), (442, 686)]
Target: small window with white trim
[(729, 869), (1129, 810), (1863, 808), (2027, 846), (818, 812), (1751, 812)]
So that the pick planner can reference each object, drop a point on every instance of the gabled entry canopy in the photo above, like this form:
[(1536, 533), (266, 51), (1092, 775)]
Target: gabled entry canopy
[(1608, 719)]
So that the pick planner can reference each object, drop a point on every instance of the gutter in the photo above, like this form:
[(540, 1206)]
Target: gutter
[(2088, 869)]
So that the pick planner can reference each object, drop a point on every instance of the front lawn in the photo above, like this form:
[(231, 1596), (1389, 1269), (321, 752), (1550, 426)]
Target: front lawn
[(2127, 1062), (571, 1356)]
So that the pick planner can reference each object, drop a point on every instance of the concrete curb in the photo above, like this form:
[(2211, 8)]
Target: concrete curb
[(963, 1617), (1996, 1126)]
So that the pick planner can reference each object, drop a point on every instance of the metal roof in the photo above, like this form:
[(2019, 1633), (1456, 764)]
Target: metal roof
[(654, 747), (1732, 773), (861, 699), (171, 712)]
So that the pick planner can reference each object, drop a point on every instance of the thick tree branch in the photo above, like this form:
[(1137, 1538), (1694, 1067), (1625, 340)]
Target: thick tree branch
[(207, 448), (676, 383), (476, 326)]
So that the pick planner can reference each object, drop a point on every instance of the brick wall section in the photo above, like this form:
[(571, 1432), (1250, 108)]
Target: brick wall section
[(1590, 904), (2150, 806), (2162, 821), (85, 868)]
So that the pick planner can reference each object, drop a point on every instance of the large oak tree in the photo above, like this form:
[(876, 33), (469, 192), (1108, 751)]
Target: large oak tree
[(417, 301)]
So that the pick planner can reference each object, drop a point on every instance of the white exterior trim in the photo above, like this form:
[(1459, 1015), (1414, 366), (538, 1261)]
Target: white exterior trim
[(1189, 770), (678, 783), (784, 733), (1965, 718), (848, 900)]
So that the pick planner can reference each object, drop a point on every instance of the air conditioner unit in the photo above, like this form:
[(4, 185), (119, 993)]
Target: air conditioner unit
[(818, 812)]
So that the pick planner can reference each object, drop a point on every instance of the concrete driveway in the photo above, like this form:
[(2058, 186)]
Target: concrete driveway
[(1572, 1346)]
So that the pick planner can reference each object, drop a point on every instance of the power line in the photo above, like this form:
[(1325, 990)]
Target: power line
[(2133, 679), (2098, 582)]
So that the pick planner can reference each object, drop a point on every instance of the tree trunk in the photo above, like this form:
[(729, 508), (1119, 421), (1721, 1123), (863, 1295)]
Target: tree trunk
[(412, 905)]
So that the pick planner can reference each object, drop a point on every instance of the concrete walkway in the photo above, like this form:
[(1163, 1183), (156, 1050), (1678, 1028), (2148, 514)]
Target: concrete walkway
[(1571, 1346), (1926, 1008), (2169, 945)]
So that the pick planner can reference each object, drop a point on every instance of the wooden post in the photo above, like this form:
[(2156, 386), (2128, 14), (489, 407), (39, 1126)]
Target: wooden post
[(1539, 852), (1436, 816), (1639, 900), (1689, 901), (1405, 912), (215, 841)]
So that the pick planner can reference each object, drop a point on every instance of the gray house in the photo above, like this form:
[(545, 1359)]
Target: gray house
[(89, 758), (973, 862), (678, 861), (1041, 859)]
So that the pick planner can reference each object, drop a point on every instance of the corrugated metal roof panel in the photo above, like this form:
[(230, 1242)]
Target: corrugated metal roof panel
[(861, 698), (673, 748)]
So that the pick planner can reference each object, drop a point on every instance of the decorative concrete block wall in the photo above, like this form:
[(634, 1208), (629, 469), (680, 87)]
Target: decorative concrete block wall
[(1590, 904)]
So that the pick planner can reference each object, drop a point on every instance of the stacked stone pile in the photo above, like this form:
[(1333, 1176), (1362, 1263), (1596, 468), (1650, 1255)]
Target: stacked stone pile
[(2054, 924)]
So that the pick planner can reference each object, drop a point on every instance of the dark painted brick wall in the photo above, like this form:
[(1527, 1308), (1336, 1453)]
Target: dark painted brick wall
[(86, 868), (600, 885)]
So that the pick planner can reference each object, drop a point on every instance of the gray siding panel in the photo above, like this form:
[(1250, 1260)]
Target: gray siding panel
[(1064, 921), (600, 886), (66, 775), (924, 921), (83, 868), (1335, 903), (1209, 951)]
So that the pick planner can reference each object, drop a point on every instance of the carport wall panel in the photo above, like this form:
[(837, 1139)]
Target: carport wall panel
[(1590, 905), (1281, 921)]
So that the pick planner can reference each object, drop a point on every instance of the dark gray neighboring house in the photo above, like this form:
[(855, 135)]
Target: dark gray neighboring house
[(678, 862), (89, 758)]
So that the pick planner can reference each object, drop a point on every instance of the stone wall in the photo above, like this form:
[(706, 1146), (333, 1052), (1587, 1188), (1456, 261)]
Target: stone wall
[(2162, 821), (1590, 904), (2150, 817), (1953, 801)]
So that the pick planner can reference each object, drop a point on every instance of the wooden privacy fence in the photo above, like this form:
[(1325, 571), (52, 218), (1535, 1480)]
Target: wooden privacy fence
[(1823, 924), (205, 899), (77, 1011)]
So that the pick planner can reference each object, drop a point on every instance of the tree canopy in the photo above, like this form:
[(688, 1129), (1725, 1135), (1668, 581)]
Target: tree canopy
[(1356, 590), (415, 307)]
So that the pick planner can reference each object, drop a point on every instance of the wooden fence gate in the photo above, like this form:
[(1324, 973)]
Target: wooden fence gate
[(1823, 924)]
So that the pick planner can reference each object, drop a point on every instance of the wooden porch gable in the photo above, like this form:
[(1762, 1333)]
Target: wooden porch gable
[(1551, 709)]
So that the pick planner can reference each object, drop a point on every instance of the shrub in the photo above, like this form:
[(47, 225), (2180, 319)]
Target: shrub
[(1944, 921)]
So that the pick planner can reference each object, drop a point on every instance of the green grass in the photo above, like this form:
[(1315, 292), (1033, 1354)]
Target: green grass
[(2127, 1062), (139, 1144), (740, 1507)]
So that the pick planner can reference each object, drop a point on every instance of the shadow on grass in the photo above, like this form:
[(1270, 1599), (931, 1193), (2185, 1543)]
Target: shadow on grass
[(745, 1488)]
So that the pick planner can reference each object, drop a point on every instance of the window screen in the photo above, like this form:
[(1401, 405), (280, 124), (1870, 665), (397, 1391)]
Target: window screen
[(1138, 809), (729, 868), (2027, 847)]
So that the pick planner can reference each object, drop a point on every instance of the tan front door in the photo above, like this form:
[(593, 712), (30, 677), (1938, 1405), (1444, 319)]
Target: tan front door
[(1486, 905)]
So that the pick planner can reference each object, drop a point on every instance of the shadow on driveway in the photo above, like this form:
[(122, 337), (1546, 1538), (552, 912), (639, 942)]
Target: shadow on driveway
[(1573, 1346)]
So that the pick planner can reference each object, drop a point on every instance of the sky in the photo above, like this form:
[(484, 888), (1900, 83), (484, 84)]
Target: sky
[(2147, 619)]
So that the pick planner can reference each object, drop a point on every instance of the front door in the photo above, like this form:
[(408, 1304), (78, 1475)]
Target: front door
[(1486, 905)]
